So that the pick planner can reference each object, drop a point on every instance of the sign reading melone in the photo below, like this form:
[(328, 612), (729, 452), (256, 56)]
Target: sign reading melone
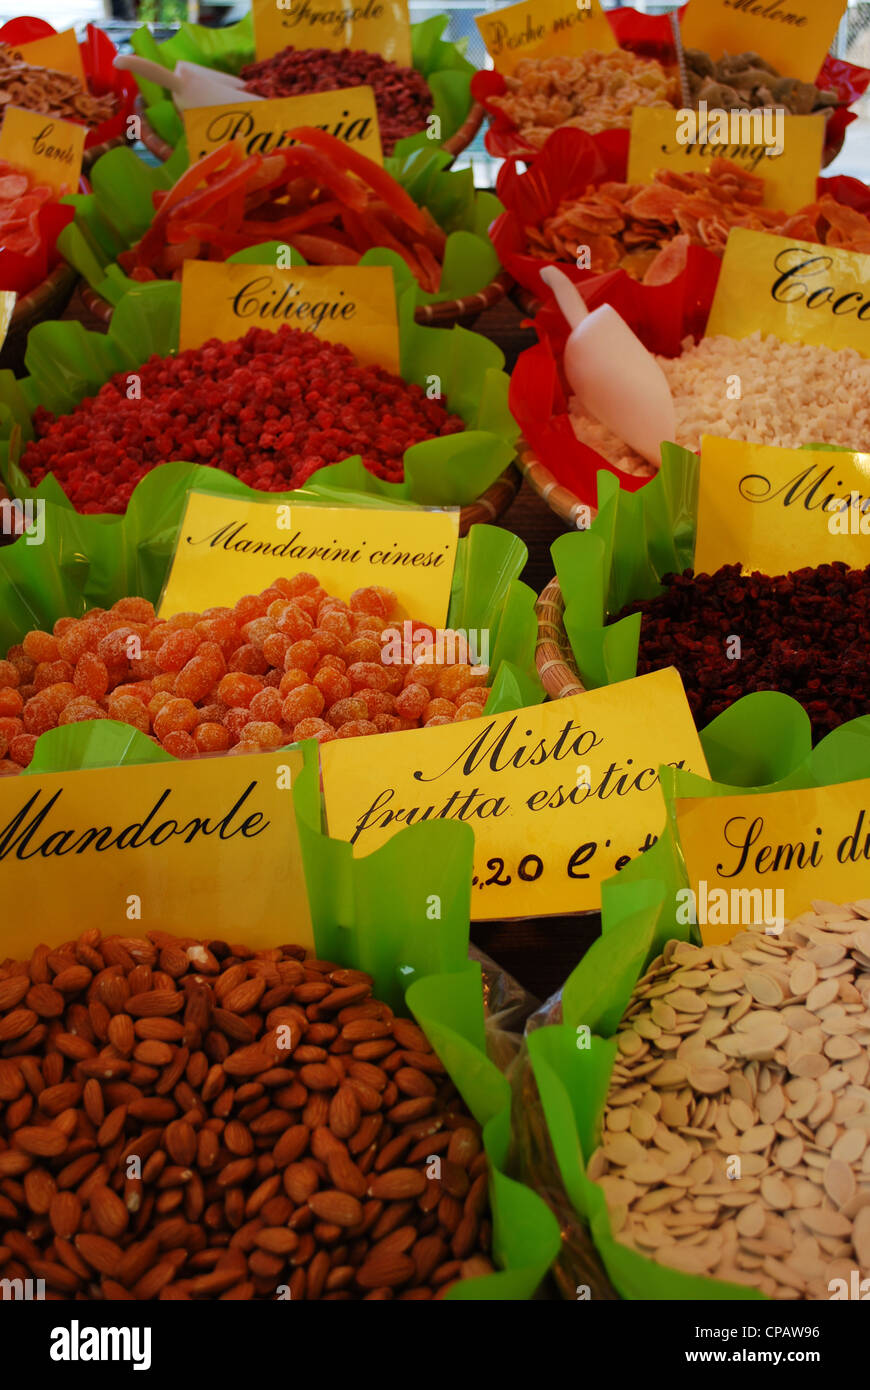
[(792, 35)]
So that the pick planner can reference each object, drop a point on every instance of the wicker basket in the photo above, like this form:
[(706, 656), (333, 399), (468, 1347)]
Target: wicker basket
[(46, 301), (553, 655), (493, 503), (459, 141), (559, 499), (95, 152)]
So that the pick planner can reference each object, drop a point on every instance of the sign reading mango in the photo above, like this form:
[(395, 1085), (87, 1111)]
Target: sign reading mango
[(559, 795), (792, 35), (144, 847), (783, 150), (228, 547), (812, 843), (779, 509), (376, 26), (262, 126), (47, 149), (797, 290), (350, 304)]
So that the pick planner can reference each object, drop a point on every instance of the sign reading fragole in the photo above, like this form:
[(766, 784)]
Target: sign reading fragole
[(228, 547), (261, 126), (350, 304), (777, 510), (47, 149), (797, 290), (792, 35), (784, 150), (155, 846), (60, 52), (807, 844), (559, 795), (543, 28), (376, 26)]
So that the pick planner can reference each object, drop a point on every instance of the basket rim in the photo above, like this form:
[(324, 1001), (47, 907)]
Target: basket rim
[(554, 658), (55, 282), (560, 499)]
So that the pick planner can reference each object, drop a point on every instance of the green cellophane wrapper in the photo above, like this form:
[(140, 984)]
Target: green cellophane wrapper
[(96, 560), (761, 744), (444, 66), (120, 209), (371, 914), (66, 363)]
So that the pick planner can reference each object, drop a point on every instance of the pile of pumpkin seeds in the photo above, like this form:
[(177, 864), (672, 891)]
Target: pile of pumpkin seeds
[(735, 1139)]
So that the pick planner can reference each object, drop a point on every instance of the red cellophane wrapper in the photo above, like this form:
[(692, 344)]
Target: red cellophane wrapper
[(23, 273), (662, 316), (649, 36), (98, 57)]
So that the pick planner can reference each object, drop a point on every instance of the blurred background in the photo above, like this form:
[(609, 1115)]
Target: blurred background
[(119, 17)]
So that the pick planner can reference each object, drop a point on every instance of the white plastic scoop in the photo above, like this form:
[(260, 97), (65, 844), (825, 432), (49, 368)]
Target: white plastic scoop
[(613, 376), (190, 83)]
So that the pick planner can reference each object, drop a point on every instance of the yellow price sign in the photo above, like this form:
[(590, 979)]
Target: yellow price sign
[(350, 304), (228, 547), (559, 795), (376, 26), (47, 149), (742, 851), (543, 29), (776, 510), (174, 845), (261, 126), (785, 151), (60, 52), (797, 290), (792, 35)]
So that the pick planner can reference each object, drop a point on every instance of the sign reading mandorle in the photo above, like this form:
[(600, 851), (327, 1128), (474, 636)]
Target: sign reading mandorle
[(134, 845)]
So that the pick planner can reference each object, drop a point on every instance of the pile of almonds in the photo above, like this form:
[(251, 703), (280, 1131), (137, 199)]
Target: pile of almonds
[(735, 1140), (294, 1139)]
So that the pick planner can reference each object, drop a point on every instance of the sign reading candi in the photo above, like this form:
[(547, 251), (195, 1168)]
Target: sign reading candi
[(228, 547), (542, 28), (47, 149), (559, 795), (261, 126), (792, 35), (807, 844), (350, 304), (780, 509), (783, 150), (797, 290), (156, 845), (377, 26)]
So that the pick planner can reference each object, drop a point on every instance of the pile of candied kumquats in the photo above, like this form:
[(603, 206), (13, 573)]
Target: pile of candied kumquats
[(290, 663)]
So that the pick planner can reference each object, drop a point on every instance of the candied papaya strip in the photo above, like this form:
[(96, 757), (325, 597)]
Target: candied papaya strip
[(320, 250), (382, 184), (298, 222)]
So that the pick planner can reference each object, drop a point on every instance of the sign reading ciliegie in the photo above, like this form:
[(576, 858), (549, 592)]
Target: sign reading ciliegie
[(228, 547), (261, 126), (812, 843), (779, 509), (350, 304), (797, 290), (792, 35), (543, 28), (784, 150), (156, 845), (377, 26), (47, 149), (559, 795)]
